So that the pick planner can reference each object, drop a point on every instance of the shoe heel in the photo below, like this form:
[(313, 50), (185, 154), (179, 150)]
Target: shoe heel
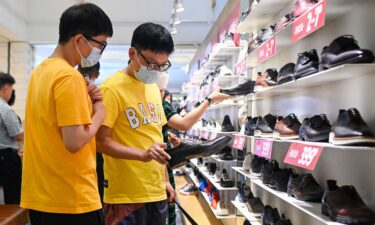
[(325, 210)]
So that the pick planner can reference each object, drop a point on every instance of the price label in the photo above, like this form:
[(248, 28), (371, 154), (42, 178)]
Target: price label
[(267, 49), (304, 156), (239, 142), (309, 22), (241, 67), (263, 148)]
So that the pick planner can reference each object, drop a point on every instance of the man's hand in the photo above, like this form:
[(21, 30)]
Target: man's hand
[(174, 139), (156, 152), (171, 192), (95, 93), (218, 97)]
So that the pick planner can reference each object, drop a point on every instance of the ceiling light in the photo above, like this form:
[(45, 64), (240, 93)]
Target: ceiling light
[(179, 6)]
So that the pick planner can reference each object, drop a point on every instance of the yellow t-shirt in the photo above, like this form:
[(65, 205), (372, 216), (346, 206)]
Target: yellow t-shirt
[(55, 180), (135, 114)]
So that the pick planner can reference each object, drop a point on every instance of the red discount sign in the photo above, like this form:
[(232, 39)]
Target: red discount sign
[(267, 49), (239, 142), (304, 156), (263, 148), (309, 22), (241, 67)]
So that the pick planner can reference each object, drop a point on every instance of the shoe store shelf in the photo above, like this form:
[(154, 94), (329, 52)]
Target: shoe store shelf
[(261, 15), (223, 105), (217, 158), (312, 209), (210, 178), (318, 79), (266, 10), (226, 52), (254, 219), (205, 196)]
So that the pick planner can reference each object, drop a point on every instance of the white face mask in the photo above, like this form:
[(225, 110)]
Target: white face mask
[(92, 59), (146, 76)]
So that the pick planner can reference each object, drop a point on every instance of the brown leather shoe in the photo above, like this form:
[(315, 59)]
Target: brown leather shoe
[(344, 205), (287, 128)]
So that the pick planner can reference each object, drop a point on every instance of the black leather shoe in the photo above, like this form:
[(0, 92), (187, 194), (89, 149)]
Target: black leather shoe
[(344, 205), (266, 126), (225, 180), (267, 170), (212, 169), (256, 165), (286, 73), (255, 205), (270, 215), (307, 63), (244, 192), (243, 88), (343, 50), (227, 126), (279, 179), (251, 125), (226, 154), (351, 129), (305, 188), (185, 151), (315, 129), (283, 221)]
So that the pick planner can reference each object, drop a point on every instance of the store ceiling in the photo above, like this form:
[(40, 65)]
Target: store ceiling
[(36, 21)]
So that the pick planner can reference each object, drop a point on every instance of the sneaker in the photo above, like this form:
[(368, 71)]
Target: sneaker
[(215, 199), (190, 189), (307, 64), (251, 125), (221, 209), (315, 129), (343, 50), (268, 168), (270, 215), (244, 88), (227, 125), (287, 128), (279, 179), (304, 188), (225, 180), (266, 126), (202, 184), (351, 129), (247, 162), (286, 73), (256, 165), (344, 205)]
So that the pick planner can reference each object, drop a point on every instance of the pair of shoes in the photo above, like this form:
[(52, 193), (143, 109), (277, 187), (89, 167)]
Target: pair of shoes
[(287, 128), (304, 187), (183, 152), (256, 165), (189, 189), (279, 179), (265, 127)]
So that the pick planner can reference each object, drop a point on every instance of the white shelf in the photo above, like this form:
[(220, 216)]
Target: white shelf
[(216, 185), (217, 158), (192, 178), (243, 172), (255, 220), (261, 15)]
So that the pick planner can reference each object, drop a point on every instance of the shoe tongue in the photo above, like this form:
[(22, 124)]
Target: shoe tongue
[(307, 180), (316, 121), (343, 43)]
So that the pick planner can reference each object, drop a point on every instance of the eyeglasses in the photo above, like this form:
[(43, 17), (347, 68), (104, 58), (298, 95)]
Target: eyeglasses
[(154, 66), (98, 42)]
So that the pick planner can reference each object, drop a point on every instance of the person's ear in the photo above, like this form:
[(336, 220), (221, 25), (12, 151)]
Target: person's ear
[(132, 54), (78, 39)]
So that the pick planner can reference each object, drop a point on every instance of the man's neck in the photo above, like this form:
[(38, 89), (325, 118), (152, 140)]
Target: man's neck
[(65, 52), (130, 71)]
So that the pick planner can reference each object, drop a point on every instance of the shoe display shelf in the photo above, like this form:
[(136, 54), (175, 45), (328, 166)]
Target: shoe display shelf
[(312, 209), (254, 220), (267, 10), (217, 158), (191, 177)]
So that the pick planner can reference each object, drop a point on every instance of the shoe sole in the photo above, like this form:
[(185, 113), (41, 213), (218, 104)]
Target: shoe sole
[(345, 219), (355, 140), (287, 79), (306, 72), (277, 135), (258, 133), (364, 58), (306, 198)]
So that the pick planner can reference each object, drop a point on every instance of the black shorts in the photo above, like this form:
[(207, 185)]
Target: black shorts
[(43, 218)]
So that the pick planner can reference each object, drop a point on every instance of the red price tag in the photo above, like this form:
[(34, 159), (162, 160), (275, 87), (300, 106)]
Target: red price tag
[(241, 67), (263, 148), (267, 49), (304, 156), (239, 142), (309, 22)]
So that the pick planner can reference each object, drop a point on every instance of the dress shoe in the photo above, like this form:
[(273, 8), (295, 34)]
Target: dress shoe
[(307, 64), (244, 192), (212, 169), (271, 76), (266, 126), (344, 205), (226, 155), (315, 129), (268, 168), (186, 151), (304, 187), (280, 178), (227, 126), (270, 215), (286, 73), (301, 6), (351, 129), (254, 205), (225, 180), (343, 50), (256, 165), (244, 88), (251, 125), (287, 128), (283, 221)]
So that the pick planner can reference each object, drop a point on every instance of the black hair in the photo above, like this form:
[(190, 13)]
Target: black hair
[(153, 37), (12, 98), (86, 19), (6, 79), (166, 93), (89, 71)]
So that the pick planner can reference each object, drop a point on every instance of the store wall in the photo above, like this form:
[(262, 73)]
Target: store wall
[(3, 57)]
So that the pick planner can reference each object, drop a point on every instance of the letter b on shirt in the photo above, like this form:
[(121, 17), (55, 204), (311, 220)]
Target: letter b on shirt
[(132, 118)]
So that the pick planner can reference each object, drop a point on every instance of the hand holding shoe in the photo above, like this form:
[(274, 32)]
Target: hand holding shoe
[(156, 152), (218, 97)]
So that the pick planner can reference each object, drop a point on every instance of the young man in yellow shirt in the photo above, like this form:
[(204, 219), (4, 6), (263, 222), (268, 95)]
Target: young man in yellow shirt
[(59, 185), (135, 188)]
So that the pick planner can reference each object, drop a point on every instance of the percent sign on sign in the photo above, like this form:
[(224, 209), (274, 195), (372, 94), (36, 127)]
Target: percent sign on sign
[(309, 22)]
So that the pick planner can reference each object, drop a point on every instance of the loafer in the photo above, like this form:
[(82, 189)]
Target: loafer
[(244, 88), (315, 129), (186, 150), (287, 128)]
